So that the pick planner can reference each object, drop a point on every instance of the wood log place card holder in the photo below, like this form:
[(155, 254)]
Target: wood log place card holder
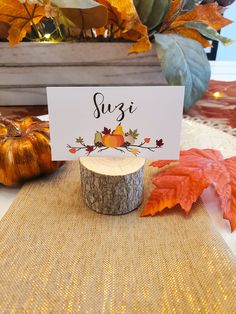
[(112, 130), (112, 185)]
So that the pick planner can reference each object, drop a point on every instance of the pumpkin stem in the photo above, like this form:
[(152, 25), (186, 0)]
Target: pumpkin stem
[(12, 129)]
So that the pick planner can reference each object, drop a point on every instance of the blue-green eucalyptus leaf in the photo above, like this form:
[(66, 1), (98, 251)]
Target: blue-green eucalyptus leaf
[(184, 62)]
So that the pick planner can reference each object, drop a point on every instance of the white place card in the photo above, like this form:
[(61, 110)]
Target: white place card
[(143, 121)]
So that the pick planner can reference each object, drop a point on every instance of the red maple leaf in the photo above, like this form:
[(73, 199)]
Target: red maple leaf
[(184, 182), (106, 131), (89, 149), (159, 143)]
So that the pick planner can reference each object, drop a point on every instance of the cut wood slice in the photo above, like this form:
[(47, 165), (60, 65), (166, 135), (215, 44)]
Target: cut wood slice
[(112, 186)]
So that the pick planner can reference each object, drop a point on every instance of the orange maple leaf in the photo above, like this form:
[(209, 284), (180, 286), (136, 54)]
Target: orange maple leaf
[(229, 203), (126, 24), (172, 13), (184, 182), (4, 27), (205, 13), (20, 17), (208, 14)]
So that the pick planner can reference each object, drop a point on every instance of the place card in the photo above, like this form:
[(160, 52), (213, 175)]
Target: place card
[(143, 121)]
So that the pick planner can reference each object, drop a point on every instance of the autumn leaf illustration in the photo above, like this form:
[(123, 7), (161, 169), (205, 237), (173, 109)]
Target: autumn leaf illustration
[(80, 140), (133, 133), (134, 151), (89, 149), (21, 17), (159, 143), (106, 131)]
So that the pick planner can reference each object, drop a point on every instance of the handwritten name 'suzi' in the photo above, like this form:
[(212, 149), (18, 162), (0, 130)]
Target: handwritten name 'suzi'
[(102, 108)]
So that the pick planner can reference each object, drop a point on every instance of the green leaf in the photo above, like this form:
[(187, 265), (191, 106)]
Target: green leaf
[(151, 12), (85, 14), (80, 140), (134, 133), (208, 32), (184, 62)]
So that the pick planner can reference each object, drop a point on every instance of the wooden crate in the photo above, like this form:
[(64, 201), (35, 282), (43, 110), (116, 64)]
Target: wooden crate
[(27, 69)]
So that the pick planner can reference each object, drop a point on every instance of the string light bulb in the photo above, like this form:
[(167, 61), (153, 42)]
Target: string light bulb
[(217, 94), (47, 36)]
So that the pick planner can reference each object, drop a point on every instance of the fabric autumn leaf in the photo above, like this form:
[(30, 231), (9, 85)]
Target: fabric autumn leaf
[(230, 205), (202, 20), (123, 16), (20, 17), (86, 14), (184, 182), (4, 27), (206, 13)]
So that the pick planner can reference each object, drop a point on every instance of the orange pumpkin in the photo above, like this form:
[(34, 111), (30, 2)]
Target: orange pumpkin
[(112, 140), (25, 150)]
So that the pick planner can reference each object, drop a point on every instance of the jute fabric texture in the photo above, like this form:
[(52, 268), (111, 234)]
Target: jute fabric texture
[(57, 256)]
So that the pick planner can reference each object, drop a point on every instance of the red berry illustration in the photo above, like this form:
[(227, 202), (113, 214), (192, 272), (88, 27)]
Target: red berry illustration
[(147, 140), (72, 151)]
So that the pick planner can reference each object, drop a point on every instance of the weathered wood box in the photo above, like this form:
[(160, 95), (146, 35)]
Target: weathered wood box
[(27, 69)]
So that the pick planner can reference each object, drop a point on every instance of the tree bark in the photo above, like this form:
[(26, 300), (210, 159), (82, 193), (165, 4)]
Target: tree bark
[(112, 186)]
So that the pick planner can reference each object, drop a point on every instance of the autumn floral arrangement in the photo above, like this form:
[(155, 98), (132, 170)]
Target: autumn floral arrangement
[(179, 29), (117, 140)]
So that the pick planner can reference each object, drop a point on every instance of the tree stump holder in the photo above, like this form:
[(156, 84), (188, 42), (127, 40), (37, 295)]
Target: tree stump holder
[(112, 186)]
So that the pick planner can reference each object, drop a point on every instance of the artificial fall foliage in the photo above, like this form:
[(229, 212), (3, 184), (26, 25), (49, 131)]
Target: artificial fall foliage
[(122, 16), (200, 21), (21, 17), (126, 24), (178, 29), (184, 181)]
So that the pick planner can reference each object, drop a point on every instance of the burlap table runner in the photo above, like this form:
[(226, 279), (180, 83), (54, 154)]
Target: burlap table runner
[(57, 256)]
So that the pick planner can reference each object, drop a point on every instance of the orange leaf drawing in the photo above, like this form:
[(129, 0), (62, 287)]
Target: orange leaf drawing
[(20, 17), (184, 182), (126, 24)]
